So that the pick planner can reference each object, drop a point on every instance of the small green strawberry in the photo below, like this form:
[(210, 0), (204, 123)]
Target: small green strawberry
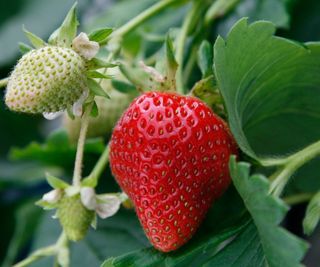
[(74, 217), (49, 79), (109, 112), (59, 74)]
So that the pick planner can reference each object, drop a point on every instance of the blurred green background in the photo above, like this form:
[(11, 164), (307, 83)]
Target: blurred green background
[(21, 183)]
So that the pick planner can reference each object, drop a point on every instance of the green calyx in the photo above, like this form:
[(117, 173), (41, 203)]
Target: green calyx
[(74, 217)]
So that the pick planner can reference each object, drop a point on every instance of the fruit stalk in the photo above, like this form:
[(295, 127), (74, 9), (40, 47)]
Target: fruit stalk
[(298, 198), (136, 21), (80, 147), (3, 82), (186, 27), (53, 250), (219, 9), (101, 164), (289, 165), (36, 255)]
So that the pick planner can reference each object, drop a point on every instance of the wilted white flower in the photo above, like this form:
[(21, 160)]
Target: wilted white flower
[(84, 47)]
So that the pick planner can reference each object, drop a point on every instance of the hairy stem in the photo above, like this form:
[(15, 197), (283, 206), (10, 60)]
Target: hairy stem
[(298, 198), (142, 17), (4, 82), (80, 147), (181, 41), (289, 165)]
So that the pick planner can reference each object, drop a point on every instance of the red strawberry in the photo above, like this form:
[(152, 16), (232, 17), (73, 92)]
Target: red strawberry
[(170, 154)]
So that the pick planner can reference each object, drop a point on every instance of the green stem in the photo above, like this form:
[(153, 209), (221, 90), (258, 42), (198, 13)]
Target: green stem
[(63, 253), (190, 63), (52, 250), (273, 162), (181, 41), (95, 174), (37, 255), (298, 198), (142, 17), (80, 147), (218, 9), (4, 82), (289, 165)]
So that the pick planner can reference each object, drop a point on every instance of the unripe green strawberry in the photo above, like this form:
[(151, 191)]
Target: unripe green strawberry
[(74, 217), (109, 112), (48, 79)]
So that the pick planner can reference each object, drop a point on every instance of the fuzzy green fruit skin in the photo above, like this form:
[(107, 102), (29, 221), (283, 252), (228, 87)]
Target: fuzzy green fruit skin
[(75, 219), (48, 79), (109, 112)]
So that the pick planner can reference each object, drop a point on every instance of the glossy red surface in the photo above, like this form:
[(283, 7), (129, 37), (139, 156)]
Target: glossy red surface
[(170, 154)]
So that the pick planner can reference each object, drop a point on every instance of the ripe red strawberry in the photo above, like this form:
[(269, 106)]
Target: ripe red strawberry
[(170, 154)]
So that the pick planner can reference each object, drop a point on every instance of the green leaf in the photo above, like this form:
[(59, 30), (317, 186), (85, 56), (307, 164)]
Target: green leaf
[(56, 151), (96, 88), (64, 35), (97, 63), (96, 74), (312, 216), (226, 218), (55, 182), (244, 250), (123, 87), (36, 41), (18, 175), (205, 59), (281, 248), (263, 91), (101, 35), (171, 62), (24, 48), (190, 256), (95, 110), (46, 205)]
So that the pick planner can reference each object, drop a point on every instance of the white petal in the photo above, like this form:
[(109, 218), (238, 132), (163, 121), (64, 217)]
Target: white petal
[(108, 205), (123, 197), (53, 196), (88, 197), (52, 115), (83, 46), (77, 107)]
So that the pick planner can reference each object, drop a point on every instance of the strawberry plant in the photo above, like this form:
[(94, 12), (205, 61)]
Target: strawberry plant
[(181, 133)]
